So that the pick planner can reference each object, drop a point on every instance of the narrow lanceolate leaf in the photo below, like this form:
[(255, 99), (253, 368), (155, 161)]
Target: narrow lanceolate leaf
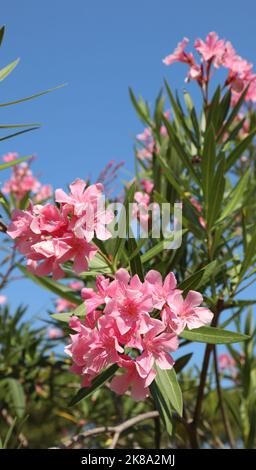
[(8, 69), (211, 335), (17, 396), (142, 112), (224, 107), (182, 362), (248, 256), (200, 278), (85, 392), (214, 110), (15, 134), (80, 311), (2, 29), (208, 163), (179, 115), (56, 287), (232, 115), (236, 196), (179, 147), (238, 150), (63, 317), (6, 165), (163, 406), (155, 250), (31, 97), (169, 386), (216, 194)]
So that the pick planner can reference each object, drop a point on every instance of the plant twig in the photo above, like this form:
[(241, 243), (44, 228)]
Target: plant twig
[(115, 430)]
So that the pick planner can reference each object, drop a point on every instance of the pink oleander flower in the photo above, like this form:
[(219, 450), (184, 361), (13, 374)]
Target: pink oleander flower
[(158, 346), (54, 333), (212, 48), (147, 185), (199, 209), (134, 378), (161, 291), (10, 157), (44, 193), (226, 361), (3, 299), (118, 328), (94, 299), (179, 54), (23, 182), (49, 236), (145, 136), (64, 305), (180, 313), (131, 304), (88, 205), (219, 53)]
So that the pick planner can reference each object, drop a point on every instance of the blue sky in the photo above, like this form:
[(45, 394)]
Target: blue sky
[(100, 48)]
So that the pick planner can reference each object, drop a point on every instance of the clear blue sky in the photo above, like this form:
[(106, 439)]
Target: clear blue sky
[(100, 48)]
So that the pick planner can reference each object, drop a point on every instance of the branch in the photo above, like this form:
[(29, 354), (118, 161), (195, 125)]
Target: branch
[(115, 430)]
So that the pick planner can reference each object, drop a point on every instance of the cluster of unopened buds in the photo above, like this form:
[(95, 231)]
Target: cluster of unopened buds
[(149, 145), (134, 325), (216, 52), (50, 235), (23, 182)]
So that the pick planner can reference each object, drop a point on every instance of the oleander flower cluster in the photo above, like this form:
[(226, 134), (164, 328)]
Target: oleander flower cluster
[(134, 325), (22, 181), (219, 53), (50, 235)]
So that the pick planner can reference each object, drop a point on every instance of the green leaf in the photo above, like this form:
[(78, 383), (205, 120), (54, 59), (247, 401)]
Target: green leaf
[(17, 396), (180, 149), (216, 194), (6, 165), (248, 256), (142, 112), (163, 406), (8, 69), (2, 30), (36, 95), (179, 114), (201, 277), (212, 335), (63, 317), (155, 250), (168, 384), (232, 115), (224, 108), (208, 163), (182, 362), (80, 311), (48, 283), (235, 198), (85, 392), (214, 110), (16, 126), (239, 149), (15, 134)]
